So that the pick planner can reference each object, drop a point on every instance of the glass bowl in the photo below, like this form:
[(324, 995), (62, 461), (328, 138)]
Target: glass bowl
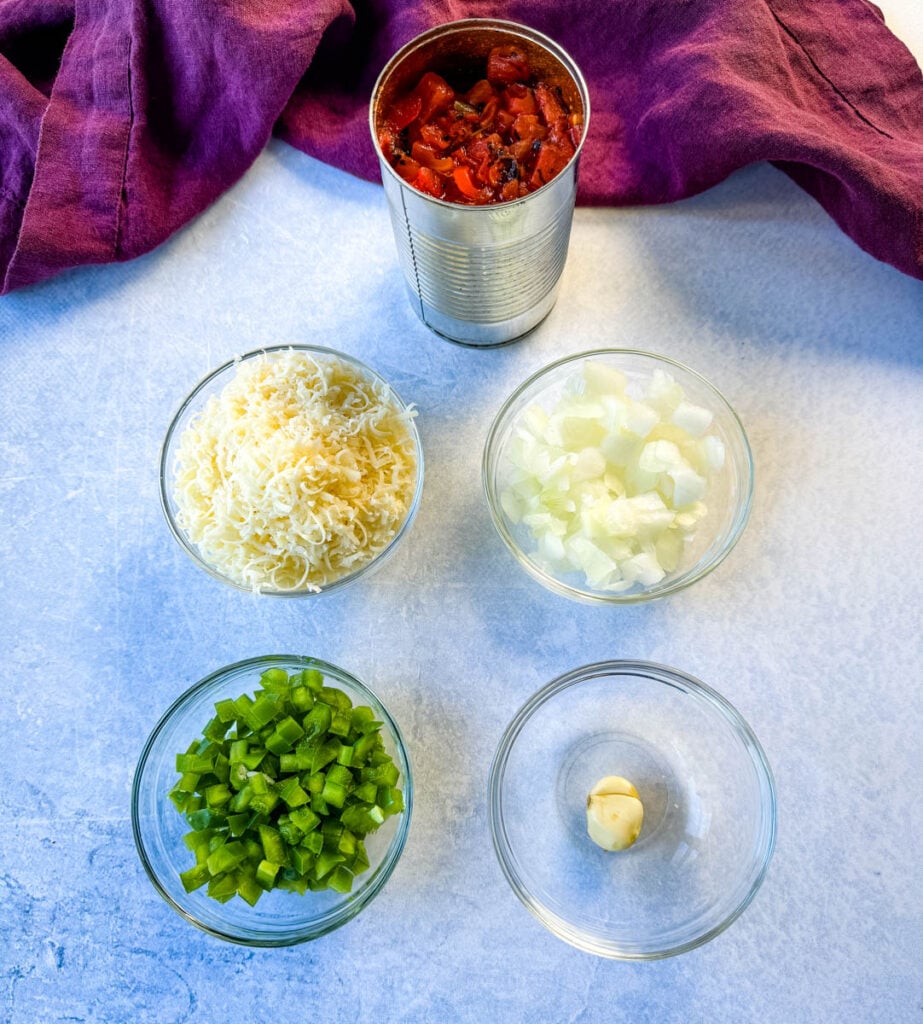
[(709, 810), (213, 385), (280, 918), (727, 498)]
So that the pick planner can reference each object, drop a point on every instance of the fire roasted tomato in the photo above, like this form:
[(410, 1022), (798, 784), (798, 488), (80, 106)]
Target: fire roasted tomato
[(404, 111), (507, 64), (466, 185), (435, 94), (519, 99), (552, 159), (509, 134)]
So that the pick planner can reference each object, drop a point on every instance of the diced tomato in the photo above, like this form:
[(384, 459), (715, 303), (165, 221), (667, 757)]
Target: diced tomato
[(519, 99), (528, 127), (408, 169), (433, 136), (426, 156), (386, 141), (483, 147), (489, 112), (551, 160), (511, 190), (559, 134), (549, 104), (480, 93), (507, 64), (505, 122), (404, 112), (521, 150), (505, 168), (459, 131), (429, 182), (466, 185), (508, 134), (435, 94)]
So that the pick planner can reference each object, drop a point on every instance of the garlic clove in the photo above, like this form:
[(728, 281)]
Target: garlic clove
[(614, 813)]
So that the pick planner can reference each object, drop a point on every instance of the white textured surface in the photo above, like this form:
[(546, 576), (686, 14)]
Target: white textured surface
[(811, 628)]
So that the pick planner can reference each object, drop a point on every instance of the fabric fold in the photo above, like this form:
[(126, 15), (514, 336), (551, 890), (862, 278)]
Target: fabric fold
[(158, 106), (74, 205)]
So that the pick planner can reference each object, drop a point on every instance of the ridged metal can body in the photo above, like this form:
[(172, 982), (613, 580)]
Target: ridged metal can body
[(480, 275)]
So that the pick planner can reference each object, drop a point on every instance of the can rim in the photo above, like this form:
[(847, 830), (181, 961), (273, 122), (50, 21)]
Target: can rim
[(515, 28)]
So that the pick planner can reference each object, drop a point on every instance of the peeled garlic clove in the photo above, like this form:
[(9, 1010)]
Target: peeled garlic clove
[(614, 813)]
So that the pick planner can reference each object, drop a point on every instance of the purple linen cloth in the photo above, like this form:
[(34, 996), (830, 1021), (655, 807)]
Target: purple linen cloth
[(120, 120)]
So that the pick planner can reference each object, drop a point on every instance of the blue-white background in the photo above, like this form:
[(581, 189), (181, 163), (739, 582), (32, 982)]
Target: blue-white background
[(811, 628)]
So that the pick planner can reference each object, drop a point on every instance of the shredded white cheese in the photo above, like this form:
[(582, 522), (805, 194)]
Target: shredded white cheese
[(298, 473)]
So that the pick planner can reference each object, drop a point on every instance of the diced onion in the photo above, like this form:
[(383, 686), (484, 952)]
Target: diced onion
[(611, 486)]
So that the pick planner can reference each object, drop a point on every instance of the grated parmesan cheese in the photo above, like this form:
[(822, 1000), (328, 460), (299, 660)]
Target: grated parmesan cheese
[(301, 471)]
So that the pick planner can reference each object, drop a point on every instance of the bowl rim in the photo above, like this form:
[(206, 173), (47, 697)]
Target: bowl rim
[(503, 849), (173, 434), (586, 595), (352, 903)]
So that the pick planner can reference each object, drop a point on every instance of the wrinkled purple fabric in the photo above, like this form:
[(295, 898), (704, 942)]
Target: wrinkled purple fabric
[(120, 120)]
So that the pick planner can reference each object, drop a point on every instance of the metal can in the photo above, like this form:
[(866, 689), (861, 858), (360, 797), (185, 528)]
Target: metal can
[(480, 275)]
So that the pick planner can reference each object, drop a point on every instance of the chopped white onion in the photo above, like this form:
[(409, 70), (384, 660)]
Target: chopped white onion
[(692, 418), (608, 485)]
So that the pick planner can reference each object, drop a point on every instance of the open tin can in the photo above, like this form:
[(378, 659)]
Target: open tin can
[(481, 274)]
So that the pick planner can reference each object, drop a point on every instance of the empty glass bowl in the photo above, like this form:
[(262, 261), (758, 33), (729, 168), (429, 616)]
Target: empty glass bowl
[(297, 489), (280, 917), (709, 810), (540, 530)]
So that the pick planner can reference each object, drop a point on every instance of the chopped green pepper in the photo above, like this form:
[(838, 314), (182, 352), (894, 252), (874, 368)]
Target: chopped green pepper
[(282, 788)]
